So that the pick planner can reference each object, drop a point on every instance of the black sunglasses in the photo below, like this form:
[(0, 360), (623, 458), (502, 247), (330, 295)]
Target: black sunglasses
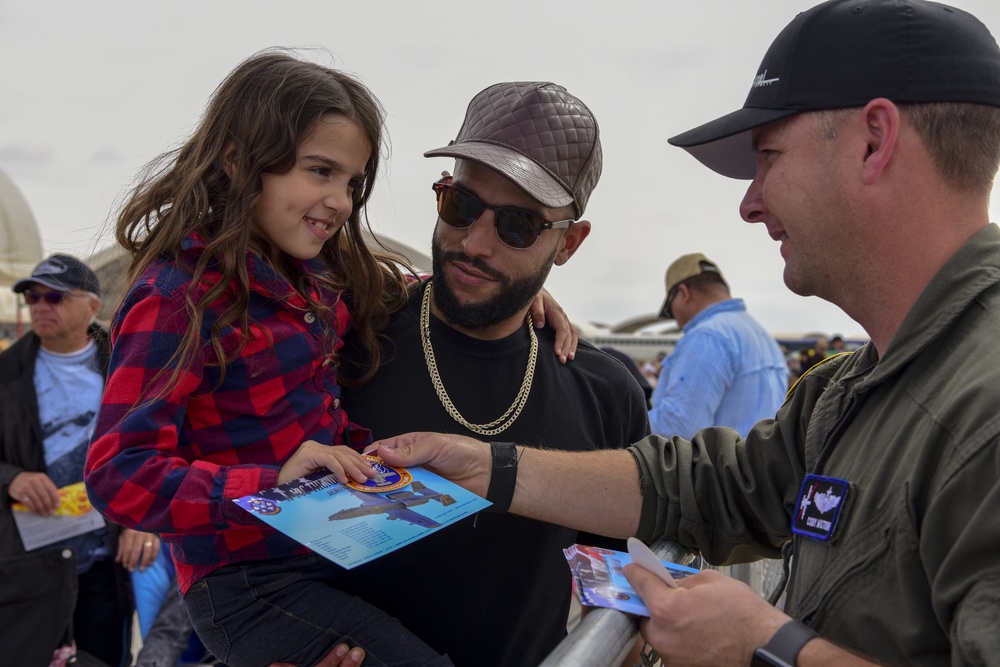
[(516, 227), (668, 307), (51, 298)]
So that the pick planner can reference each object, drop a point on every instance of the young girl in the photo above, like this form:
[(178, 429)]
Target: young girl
[(248, 266)]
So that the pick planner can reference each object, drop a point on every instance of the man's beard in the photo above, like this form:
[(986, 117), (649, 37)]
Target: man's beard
[(514, 294)]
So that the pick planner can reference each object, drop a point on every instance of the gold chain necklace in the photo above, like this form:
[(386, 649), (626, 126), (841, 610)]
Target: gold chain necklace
[(507, 418)]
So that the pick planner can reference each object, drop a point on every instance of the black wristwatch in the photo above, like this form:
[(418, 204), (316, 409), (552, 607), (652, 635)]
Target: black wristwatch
[(783, 647), (504, 477)]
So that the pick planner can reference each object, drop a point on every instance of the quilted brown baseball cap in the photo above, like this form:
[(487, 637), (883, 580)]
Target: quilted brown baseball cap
[(538, 135)]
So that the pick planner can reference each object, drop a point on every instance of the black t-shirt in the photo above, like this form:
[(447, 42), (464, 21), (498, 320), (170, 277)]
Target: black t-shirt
[(493, 589)]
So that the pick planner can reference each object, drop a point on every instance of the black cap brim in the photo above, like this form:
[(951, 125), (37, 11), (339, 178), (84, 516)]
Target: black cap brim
[(724, 145), (25, 283)]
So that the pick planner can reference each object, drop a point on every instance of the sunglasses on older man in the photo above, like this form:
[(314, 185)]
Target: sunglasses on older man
[(51, 298), (515, 227)]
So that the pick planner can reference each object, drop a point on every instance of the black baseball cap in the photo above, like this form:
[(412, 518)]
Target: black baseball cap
[(845, 53), (63, 273)]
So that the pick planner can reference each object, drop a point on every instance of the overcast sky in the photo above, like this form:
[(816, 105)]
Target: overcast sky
[(93, 90)]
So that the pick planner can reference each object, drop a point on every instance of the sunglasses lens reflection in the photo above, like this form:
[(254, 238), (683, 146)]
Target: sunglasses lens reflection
[(517, 228), (458, 208)]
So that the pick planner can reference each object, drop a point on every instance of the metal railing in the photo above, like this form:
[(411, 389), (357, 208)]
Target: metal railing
[(604, 637)]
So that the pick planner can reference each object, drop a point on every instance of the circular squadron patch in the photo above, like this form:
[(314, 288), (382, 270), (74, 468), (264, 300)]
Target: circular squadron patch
[(263, 506), (386, 477)]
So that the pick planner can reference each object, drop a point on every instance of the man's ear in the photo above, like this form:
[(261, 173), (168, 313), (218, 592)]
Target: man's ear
[(572, 239), (881, 126), (228, 158)]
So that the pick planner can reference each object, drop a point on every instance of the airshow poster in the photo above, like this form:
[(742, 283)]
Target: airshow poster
[(353, 524), (599, 582)]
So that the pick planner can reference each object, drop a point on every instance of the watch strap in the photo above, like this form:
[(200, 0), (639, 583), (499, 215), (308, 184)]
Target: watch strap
[(504, 475), (782, 649)]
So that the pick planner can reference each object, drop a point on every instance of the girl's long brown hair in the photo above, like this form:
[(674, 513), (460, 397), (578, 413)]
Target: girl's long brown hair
[(264, 108)]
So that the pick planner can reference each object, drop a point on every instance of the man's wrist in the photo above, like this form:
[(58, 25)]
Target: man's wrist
[(503, 476), (784, 646)]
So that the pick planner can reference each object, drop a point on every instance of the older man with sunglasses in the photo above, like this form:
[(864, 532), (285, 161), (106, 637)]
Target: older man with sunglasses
[(465, 358), (51, 381)]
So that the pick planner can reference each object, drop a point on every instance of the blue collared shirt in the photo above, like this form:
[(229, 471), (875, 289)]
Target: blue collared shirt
[(725, 371)]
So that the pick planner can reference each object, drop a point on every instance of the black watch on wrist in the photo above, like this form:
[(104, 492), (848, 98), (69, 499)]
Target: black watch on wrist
[(783, 647), (504, 476)]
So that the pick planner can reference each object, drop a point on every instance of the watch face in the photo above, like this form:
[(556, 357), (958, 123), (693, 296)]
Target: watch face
[(764, 658)]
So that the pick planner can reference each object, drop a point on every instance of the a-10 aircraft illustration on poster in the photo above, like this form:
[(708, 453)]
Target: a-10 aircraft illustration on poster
[(396, 505), (355, 523)]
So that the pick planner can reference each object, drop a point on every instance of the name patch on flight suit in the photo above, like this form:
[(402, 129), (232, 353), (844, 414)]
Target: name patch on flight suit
[(818, 509)]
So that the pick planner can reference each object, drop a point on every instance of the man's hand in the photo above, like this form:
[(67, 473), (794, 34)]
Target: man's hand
[(544, 309), (340, 656), (463, 460), (38, 493), (137, 549), (709, 619)]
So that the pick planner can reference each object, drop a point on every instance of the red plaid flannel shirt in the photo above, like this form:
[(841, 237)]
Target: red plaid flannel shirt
[(173, 464)]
